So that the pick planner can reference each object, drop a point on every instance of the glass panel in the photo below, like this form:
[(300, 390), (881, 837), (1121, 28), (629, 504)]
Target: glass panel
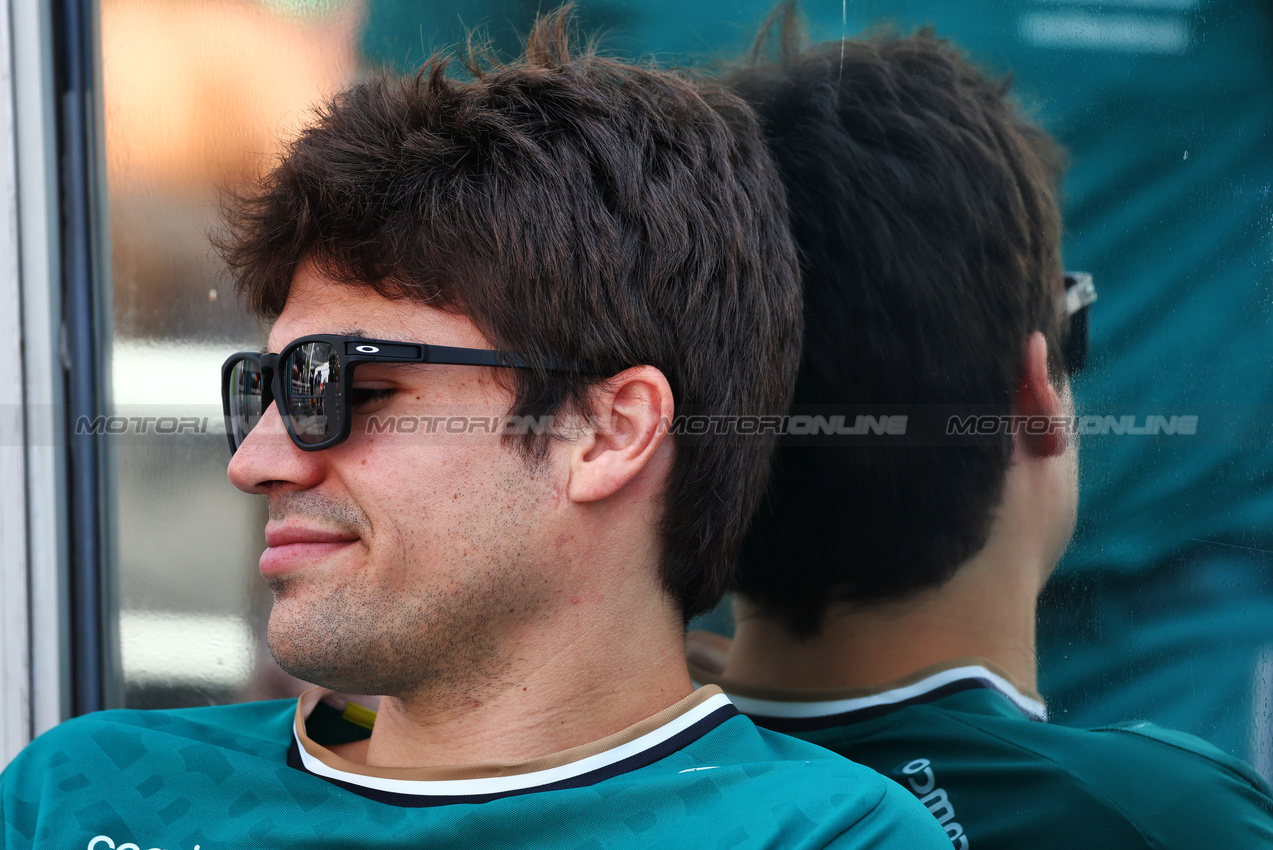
[(1161, 608), (198, 96)]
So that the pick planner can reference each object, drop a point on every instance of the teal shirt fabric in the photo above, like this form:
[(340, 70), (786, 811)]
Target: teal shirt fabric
[(1009, 782), (219, 778)]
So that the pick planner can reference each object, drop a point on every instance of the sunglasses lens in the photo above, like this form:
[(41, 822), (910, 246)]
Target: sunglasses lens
[(246, 399), (311, 379)]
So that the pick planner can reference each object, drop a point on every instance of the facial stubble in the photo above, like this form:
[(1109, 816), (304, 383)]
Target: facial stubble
[(403, 626)]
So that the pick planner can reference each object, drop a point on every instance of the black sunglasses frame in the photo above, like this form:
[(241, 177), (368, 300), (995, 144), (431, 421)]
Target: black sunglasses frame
[(1080, 292), (351, 352)]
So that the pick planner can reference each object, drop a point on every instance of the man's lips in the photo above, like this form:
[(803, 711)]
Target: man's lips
[(292, 547), (290, 535)]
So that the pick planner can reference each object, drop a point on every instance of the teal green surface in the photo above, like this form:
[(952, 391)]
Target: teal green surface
[(1004, 782), (217, 778), (1187, 646)]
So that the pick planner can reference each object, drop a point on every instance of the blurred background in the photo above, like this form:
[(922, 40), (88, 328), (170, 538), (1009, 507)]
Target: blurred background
[(1162, 610)]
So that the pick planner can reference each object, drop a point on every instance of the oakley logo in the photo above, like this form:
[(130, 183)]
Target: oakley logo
[(99, 842), (367, 349)]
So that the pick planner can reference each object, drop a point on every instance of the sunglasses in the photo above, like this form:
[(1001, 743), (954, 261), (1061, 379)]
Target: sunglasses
[(1080, 292), (312, 382)]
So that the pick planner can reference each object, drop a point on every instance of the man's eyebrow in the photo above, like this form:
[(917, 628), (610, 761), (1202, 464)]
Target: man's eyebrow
[(264, 348)]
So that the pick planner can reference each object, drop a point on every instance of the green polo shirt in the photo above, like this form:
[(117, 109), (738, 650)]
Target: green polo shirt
[(265, 775), (979, 754)]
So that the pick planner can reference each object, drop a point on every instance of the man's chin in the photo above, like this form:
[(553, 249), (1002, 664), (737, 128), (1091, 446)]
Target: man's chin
[(306, 647), (317, 669), (304, 653)]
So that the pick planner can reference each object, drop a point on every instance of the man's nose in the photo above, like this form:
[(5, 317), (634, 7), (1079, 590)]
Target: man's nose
[(267, 460)]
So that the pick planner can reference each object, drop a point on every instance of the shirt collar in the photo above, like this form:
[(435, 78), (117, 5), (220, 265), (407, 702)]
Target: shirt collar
[(792, 709), (638, 745)]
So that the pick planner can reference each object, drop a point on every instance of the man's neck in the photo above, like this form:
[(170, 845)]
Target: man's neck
[(580, 686), (987, 610)]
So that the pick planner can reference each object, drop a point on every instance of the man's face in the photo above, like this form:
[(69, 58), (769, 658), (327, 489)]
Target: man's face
[(399, 562)]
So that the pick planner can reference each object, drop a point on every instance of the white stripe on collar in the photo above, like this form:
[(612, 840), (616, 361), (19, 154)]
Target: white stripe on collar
[(520, 782), (800, 710)]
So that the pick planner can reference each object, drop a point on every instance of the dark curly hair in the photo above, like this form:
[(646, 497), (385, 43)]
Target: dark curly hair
[(925, 208), (576, 209)]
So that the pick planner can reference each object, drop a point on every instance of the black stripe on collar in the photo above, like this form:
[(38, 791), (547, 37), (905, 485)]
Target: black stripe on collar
[(633, 762)]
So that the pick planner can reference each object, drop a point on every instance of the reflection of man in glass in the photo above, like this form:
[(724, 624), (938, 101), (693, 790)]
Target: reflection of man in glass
[(888, 592), (1161, 608), (520, 602)]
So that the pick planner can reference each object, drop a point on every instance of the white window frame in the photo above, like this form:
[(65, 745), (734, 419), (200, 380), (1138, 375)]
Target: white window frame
[(34, 627)]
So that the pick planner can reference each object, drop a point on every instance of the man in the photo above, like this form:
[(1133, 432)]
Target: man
[(887, 593), (570, 239)]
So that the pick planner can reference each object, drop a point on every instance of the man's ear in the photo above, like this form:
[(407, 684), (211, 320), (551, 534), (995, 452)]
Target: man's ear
[(629, 420), (1037, 398)]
